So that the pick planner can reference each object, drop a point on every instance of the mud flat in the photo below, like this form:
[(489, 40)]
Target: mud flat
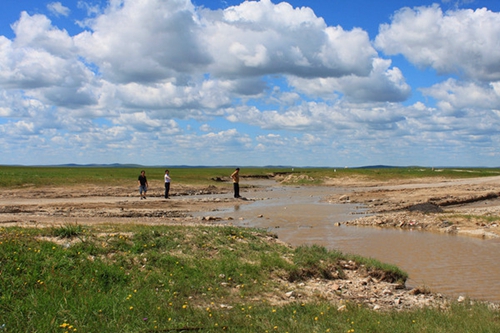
[(465, 206)]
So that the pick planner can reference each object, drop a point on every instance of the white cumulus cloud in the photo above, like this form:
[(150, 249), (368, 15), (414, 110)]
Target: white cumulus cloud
[(464, 42), (58, 9)]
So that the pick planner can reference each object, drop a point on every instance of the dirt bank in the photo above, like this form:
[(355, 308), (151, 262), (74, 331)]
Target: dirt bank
[(463, 206)]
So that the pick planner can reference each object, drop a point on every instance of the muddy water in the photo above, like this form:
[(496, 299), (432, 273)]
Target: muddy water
[(452, 265)]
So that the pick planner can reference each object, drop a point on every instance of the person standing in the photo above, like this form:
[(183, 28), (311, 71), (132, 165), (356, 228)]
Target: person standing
[(236, 182), (167, 183), (143, 184)]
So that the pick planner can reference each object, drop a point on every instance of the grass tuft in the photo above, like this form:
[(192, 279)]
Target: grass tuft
[(68, 231)]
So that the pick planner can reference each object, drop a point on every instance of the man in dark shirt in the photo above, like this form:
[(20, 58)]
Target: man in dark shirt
[(143, 184)]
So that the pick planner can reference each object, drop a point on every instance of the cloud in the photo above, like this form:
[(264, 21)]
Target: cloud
[(259, 81), (205, 128), (261, 38), (321, 117), (144, 41), (57, 9), (37, 33), (142, 122), (154, 54), (382, 84), (156, 40), (174, 100), (455, 96), (41, 62), (462, 42)]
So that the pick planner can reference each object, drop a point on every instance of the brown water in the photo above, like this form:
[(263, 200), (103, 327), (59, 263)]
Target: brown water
[(451, 265)]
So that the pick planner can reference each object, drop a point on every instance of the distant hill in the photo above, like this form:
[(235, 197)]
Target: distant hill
[(138, 166), (114, 165), (378, 167)]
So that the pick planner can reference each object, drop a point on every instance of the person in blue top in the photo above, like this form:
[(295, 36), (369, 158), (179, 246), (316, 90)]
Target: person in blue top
[(143, 184)]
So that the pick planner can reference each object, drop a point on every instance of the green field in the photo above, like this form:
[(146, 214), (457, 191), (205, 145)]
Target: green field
[(180, 279), (19, 176), (11, 176)]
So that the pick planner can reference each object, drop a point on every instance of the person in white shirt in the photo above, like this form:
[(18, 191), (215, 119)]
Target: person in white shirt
[(167, 183)]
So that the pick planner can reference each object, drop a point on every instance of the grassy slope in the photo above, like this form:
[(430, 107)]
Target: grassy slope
[(176, 279)]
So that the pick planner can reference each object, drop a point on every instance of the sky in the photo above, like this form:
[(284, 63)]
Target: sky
[(337, 83)]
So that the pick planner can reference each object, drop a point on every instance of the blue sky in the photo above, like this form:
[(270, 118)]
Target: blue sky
[(301, 83)]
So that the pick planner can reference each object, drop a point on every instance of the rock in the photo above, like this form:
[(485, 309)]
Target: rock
[(366, 281), (344, 197), (445, 224), (425, 208), (211, 218), (387, 292)]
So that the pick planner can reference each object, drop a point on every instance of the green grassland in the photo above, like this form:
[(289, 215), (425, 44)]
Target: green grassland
[(179, 279), (19, 176)]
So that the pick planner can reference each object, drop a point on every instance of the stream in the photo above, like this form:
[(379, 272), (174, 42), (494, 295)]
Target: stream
[(448, 264)]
